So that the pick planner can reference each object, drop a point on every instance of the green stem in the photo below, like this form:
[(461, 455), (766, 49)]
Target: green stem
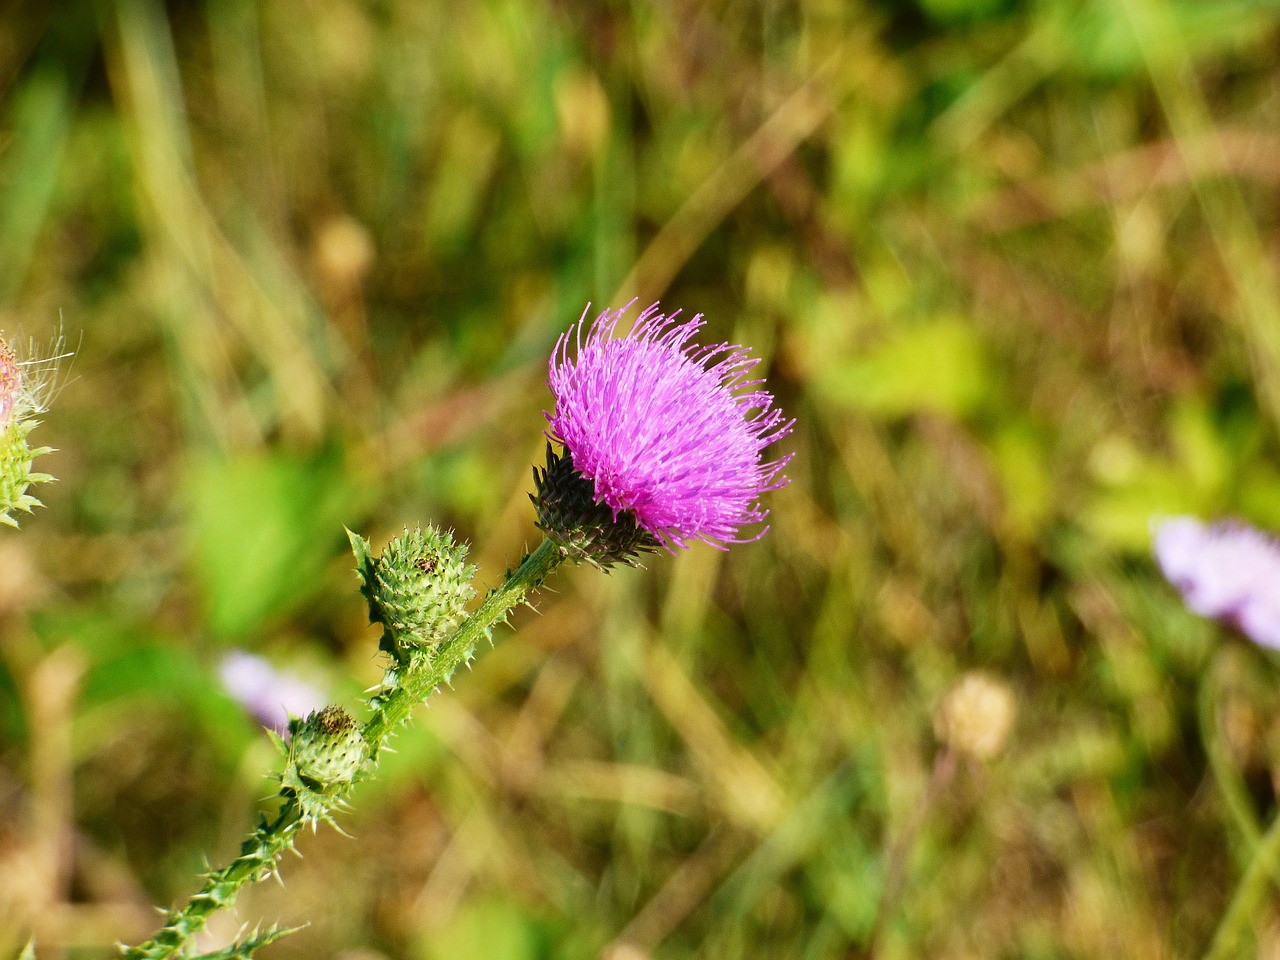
[(260, 853), (1244, 904)]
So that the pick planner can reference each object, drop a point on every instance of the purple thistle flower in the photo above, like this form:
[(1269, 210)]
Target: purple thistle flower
[(270, 696), (1226, 570), (668, 431)]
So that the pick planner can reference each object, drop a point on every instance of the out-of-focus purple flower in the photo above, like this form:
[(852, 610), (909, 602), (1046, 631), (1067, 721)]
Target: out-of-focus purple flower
[(670, 431), (1225, 570), (271, 696)]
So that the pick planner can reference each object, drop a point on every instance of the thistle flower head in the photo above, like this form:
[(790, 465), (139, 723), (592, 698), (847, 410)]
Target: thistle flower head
[(29, 377), (1226, 570), (666, 431)]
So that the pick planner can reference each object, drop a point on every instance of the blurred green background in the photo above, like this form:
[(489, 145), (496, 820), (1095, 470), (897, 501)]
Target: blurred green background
[(1012, 266)]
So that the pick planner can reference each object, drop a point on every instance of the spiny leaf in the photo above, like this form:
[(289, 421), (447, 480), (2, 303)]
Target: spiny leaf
[(246, 947)]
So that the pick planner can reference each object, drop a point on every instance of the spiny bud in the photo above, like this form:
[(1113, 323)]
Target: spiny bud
[(418, 589), (327, 747), (582, 528), (976, 716), (325, 754)]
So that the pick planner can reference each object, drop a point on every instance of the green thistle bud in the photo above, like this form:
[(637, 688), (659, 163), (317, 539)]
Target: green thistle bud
[(20, 398), (582, 528), (325, 754), (418, 589)]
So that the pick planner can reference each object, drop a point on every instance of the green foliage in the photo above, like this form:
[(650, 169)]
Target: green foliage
[(938, 366), (245, 948), (16, 473), (259, 527)]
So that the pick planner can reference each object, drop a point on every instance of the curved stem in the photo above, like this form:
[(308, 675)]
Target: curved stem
[(1249, 893), (260, 853), (1225, 773)]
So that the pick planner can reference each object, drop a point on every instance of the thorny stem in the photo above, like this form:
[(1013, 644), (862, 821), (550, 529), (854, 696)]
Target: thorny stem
[(263, 849), (258, 857)]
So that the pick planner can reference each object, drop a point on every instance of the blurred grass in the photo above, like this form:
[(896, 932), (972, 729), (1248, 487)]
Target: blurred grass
[(1013, 268)]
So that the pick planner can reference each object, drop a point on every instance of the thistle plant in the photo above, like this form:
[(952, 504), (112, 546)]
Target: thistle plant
[(25, 387), (653, 443)]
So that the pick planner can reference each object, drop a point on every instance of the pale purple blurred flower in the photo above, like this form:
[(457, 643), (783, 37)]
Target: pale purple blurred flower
[(271, 696), (665, 429), (1226, 570)]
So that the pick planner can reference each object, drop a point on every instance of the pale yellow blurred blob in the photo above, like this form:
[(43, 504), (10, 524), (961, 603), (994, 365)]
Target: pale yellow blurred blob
[(343, 252), (582, 110), (976, 716)]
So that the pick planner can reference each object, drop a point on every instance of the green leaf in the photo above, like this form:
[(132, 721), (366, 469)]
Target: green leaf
[(1102, 40), (491, 930), (940, 367), (263, 528), (244, 949), (1021, 460), (161, 673)]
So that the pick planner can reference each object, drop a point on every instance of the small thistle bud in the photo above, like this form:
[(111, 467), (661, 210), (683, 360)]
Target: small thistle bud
[(325, 754), (327, 747), (581, 527), (418, 589), (976, 716)]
